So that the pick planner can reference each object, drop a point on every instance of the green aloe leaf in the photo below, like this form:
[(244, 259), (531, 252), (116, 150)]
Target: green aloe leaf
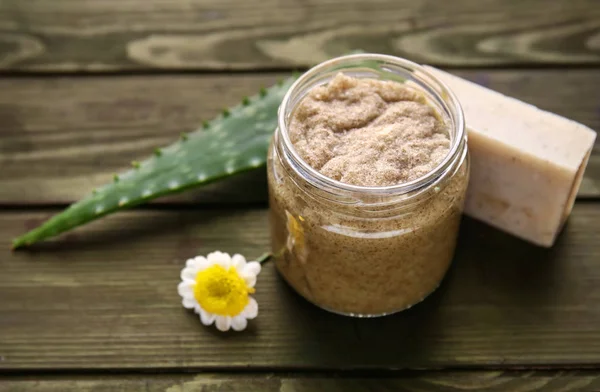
[(235, 142)]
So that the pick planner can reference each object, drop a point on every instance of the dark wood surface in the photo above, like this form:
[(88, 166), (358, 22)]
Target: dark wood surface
[(74, 35), (63, 136), (88, 86), (105, 297), (487, 381)]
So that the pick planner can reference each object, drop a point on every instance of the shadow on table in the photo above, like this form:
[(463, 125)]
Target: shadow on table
[(500, 301), (497, 287), (182, 232)]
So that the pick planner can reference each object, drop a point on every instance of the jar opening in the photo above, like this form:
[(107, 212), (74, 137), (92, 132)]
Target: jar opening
[(378, 67)]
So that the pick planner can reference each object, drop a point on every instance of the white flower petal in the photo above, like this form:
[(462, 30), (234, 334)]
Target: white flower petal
[(190, 263), (188, 273), (198, 263), (251, 310), (189, 303), (251, 268), (223, 323), (239, 323), (219, 258), (250, 280), (197, 308), (238, 261), (249, 273), (206, 318), (186, 288), (202, 263)]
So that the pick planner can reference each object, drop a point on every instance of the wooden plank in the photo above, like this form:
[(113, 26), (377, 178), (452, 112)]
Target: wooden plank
[(485, 381), (71, 35), (61, 137), (105, 297)]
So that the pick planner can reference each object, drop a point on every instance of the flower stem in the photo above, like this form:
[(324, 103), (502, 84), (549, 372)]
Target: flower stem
[(264, 258)]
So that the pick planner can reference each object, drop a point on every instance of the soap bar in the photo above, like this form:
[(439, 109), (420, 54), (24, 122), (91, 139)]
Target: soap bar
[(526, 163)]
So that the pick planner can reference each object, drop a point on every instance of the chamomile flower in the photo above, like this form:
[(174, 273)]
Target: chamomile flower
[(218, 288), (295, 241)]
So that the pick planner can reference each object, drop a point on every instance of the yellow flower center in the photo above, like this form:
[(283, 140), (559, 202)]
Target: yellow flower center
[(220, 291)]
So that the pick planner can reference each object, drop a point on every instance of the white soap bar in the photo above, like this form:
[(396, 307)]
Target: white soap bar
[(526, 163)]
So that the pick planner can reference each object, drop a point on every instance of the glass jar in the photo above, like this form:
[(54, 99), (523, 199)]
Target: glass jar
[(366, 251)]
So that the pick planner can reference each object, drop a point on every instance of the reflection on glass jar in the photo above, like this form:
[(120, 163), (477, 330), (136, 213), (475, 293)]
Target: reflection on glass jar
[(366, 251)]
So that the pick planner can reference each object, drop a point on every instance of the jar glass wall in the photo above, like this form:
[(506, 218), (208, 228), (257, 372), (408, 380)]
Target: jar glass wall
[(357, 250)]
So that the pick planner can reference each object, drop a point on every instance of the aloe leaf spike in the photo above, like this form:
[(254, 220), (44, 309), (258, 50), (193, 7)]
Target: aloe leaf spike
[(234, 142)]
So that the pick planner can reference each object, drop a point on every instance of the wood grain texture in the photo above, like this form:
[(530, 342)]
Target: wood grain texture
[(105, 297), (424, 381), (61, 137), (74, 35)]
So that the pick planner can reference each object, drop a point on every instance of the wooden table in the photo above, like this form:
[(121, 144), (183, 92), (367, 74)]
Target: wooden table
[(88, 86)]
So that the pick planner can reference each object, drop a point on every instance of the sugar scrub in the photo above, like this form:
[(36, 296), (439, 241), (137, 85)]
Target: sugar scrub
[(346, 233), (368, 132)]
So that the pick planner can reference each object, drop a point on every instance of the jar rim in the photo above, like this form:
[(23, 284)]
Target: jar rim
[(447, 96)]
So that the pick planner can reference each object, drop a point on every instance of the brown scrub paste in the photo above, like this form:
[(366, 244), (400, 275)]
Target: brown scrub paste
[(365, 132)]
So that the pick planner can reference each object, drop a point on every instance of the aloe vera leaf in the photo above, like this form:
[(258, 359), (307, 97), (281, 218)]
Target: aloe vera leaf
[(234, 142)]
